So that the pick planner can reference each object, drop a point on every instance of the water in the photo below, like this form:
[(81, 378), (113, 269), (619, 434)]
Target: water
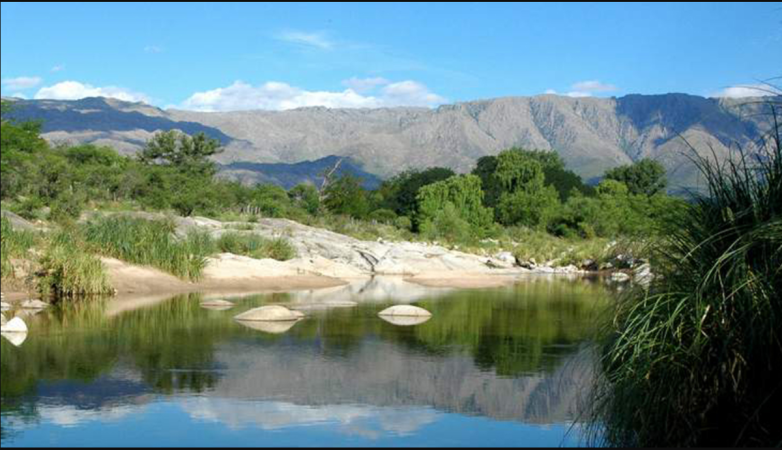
[(501, 367)]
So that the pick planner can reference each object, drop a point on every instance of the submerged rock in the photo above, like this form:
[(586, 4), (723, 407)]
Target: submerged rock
[(15, 325), (274, 313), (406, 321), (404, 311), (217, 305)]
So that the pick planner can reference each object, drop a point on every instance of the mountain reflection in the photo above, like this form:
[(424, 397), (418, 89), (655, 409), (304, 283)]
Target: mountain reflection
[(515, 354)]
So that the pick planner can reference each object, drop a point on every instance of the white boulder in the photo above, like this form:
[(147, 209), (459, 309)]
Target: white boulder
[(217, 305), (404, 311), (15, 325), (34, 304), (406, 321), (273, 313), (270, 327)]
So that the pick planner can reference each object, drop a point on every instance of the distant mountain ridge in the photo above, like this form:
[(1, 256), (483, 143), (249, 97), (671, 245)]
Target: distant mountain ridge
[(591, 134)]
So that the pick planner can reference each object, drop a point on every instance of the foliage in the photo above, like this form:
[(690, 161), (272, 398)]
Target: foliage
[(151, 243), (186, 154), (458, 197), (14, 244), (646, 177), (256, 246), (69, 271), (345, 196), (400, 193), (697, 359)]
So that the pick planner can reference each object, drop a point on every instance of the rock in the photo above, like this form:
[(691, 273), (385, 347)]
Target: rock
[(3, 320), (506, 257), (404, 311), (34, 304), (15, 325), (217, 305), (643, 274), (274, 313), (270, 327), (5, 306), (620, 276), (406, 321), (590, 265), (16, 339), (17, 222)]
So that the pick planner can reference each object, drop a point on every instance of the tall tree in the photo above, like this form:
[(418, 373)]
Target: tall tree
[(646, 177)]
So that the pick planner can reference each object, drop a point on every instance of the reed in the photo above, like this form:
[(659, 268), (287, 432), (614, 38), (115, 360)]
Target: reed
[(696, 360)]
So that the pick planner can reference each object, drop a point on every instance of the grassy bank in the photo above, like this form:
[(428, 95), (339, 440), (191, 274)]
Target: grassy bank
[(697, 359)]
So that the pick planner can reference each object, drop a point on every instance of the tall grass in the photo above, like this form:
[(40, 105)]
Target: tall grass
[(150, 242), (68, 271), (697, 359), (14, 244), (256, 246)]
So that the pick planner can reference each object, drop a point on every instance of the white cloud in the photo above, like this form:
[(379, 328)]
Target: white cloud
[(21, 83), (58, 68), (592, 86), (319, 40), (73, 90), (153, 49), (585, 89), (282, 96), (362, 85), (744, 91)]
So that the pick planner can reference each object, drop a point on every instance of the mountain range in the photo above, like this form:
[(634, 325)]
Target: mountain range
[(286, 147)]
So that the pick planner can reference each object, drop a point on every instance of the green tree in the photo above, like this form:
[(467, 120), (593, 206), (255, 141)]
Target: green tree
[(464, 195), (306, 197), (182, 152), (345, 196), (646, 177), (400, 192)]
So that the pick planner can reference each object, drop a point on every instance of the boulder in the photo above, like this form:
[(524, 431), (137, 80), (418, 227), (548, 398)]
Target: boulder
[(16, 339), (274, 313), (15, 325), (404, 311), (406, 321), (643, 274), (620, 276), (34, 304), (217, 305)]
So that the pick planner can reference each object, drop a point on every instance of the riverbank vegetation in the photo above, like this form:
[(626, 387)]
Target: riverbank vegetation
[(696, 360)]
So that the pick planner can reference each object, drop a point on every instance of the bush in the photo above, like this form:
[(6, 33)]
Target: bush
[(462, 197), (152, 243), (697, 359), (68, 271), (14, 244), (256, 246)]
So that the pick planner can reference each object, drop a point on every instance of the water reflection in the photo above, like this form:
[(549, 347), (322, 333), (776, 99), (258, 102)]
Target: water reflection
[(514, 355)]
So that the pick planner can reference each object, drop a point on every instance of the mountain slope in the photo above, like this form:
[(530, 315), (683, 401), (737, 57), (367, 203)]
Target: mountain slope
[(591, 134)]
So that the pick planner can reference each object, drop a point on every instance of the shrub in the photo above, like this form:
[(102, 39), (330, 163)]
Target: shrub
[(697, 359), (256, 246), (69, 271)]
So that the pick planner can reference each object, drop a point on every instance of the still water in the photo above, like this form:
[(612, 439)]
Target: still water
[(501, 367)]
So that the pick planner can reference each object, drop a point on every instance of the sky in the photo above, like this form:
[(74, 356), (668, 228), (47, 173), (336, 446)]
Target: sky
[(276, 56)]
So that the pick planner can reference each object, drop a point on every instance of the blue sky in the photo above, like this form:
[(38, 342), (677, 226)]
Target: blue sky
[(228, 56)]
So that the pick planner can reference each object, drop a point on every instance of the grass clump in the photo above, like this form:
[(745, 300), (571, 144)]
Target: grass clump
[(697, 359), (68, 271), (15, 245), (150, 242), (256, 246)]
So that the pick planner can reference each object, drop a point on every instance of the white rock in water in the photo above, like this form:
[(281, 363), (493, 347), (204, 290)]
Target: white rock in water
[(16, 339), (272, 313), (34, 304), (404, 311), (217, 305), (15, 325), (406, 321), (620, 276), (270, 327)]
